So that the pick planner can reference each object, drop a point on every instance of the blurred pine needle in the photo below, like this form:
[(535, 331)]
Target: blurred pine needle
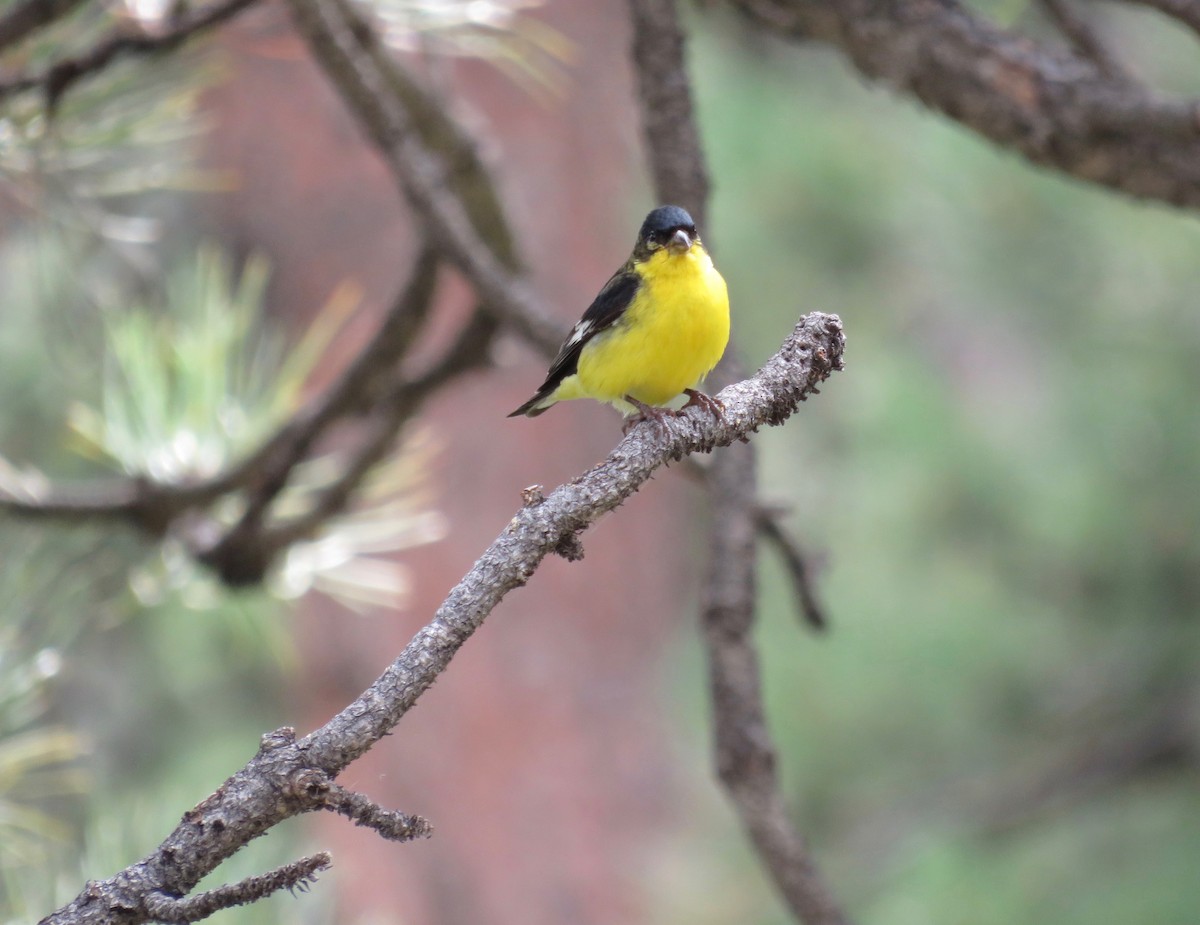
[(194, 380)]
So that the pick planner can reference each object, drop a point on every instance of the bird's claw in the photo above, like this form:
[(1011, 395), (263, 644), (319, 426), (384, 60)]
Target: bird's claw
[(707, 402), (645, 413)]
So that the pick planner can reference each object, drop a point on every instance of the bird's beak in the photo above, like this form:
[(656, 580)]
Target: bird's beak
[(680, 242)]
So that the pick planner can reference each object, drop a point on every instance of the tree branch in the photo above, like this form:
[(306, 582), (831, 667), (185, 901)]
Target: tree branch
[(57, 79), (286, 777), (174, 910), (361, 810), (1054, 107), (668, 123)]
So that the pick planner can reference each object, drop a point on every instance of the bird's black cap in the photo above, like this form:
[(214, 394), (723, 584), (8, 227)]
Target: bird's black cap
[(664, 218)]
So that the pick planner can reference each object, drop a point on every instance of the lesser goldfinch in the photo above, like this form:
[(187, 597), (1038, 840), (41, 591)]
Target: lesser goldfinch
[(656, 329)]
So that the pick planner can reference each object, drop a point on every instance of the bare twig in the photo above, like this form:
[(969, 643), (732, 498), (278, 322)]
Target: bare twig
[(361, 810), (797, 565), (123, 42), (277, 783), (744, 752), (174, 910), (1052, 106), (1083, 37)]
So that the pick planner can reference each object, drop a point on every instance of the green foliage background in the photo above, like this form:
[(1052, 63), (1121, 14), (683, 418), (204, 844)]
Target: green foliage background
[(1002, 487)]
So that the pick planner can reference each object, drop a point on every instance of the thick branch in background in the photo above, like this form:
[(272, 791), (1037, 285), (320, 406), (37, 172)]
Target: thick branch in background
[(668, 121), (289, 777), (393, 108), (1054, 106), (745, 754)]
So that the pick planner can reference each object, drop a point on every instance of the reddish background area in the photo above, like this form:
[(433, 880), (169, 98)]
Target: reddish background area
[(540, 756)]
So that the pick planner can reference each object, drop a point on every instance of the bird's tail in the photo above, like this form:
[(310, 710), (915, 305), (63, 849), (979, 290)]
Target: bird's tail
[(535, 406)]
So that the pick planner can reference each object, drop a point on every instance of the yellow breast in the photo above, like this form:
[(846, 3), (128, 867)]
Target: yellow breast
[(669, 339)]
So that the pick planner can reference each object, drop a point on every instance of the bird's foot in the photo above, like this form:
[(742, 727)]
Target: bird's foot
[(707, 402), (645, 413)]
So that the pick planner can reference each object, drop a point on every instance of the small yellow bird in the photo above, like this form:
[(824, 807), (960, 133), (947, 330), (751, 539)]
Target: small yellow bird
[(656, 329)]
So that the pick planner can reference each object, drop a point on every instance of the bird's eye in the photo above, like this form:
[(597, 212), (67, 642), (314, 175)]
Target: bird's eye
[(653, 242)]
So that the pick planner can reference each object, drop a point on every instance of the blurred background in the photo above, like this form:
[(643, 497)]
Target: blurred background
[(1000, 493)]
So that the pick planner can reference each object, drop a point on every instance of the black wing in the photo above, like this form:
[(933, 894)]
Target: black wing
[(606, 309)]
